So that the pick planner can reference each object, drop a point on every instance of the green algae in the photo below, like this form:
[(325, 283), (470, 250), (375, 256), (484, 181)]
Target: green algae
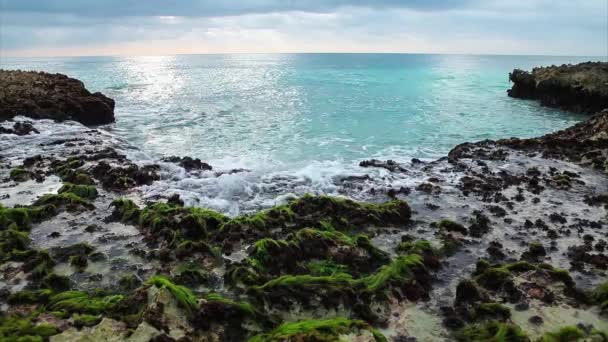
[(79, 262), (243, 307), (492, 311), (398, 272), (600, 296), (21, 329), (564, 334), (317, 330), (325, 268), (451, 226), (186, 223), (23, 217), (84, 320), (495, 276), (83, 302), (416, 247), (56, 282), (394, 275), (190, 274), (39, 263), (12, 241), (83, 191), (70, 201), (19, 174), (30, 297), (491, 332), (183, 295), (318, 211)]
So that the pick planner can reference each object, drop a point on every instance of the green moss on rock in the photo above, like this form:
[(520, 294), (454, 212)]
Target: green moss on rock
[(317, 211), (317, 330), (83, 191), (83, 302), (22, 329), (600, 296), (451, 226), (183, 295), (68, 200), (564, 334), (20, 174), (492, 332)]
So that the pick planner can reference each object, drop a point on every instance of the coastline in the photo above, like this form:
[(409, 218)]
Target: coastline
[(542, 197)]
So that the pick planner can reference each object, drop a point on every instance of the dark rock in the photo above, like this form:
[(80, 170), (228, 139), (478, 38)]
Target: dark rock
[(390, 165), (42, 95), (536, 320), (175, 200), (189, 163), (580, 88)]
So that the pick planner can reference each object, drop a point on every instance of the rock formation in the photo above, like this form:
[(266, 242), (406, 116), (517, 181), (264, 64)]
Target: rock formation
[(42, 95), (580, 88)]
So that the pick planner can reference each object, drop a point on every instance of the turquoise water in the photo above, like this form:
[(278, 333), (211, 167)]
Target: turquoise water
[(302, 122), (251, 110)]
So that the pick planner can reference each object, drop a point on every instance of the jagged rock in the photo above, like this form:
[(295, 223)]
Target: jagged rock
[(582, 87), (164, 313), (108, 330), (41, 95), (20, 128), (189, 163)]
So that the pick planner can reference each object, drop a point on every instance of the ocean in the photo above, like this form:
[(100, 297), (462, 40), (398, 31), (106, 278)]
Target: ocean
[(297, 123)]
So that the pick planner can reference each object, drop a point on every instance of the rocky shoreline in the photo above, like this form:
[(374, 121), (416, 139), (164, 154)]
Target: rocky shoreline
[(499, 241), (580, 88)]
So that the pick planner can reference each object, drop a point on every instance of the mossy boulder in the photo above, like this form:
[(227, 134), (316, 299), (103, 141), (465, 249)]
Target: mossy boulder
[(88, 192), (451, 226), (169, 223), (20, 174), (492, 331), (66, 200)]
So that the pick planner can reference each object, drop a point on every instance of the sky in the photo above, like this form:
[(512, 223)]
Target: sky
[(160, 27)]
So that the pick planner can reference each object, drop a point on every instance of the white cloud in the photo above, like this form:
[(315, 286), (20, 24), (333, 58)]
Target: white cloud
[(495, 27)]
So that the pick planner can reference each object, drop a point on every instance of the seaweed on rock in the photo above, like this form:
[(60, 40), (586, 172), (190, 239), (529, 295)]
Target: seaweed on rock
[(183, 295), (67, 200), (405, 274), (88, 192), (317, 330), (83, 302), (183, 223), (15, 328), (491, 332), (600, 296), (317, 211), (307, 251)]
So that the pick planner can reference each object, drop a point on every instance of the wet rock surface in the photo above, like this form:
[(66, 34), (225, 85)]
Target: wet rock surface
[(42, 95)]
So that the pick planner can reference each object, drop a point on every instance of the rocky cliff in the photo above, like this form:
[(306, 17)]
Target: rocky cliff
[(43, 95), (581, 88)]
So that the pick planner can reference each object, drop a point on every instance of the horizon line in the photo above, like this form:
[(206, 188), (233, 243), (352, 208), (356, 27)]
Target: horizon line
[(302, 53)]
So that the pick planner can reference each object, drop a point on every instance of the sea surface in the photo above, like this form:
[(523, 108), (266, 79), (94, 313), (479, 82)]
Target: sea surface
[(295, 123)]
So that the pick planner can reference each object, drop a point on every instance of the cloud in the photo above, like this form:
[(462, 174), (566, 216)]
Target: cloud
[(55, 27), (211, 8)]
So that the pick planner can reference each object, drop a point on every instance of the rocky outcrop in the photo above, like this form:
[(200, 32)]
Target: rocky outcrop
[(580, 88), (42, 95), (585, 143)]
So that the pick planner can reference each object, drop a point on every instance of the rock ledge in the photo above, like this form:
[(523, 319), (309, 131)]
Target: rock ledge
[(42, 95)]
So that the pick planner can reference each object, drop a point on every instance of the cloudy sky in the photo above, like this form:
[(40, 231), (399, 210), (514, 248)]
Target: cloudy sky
[(152, 27)]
